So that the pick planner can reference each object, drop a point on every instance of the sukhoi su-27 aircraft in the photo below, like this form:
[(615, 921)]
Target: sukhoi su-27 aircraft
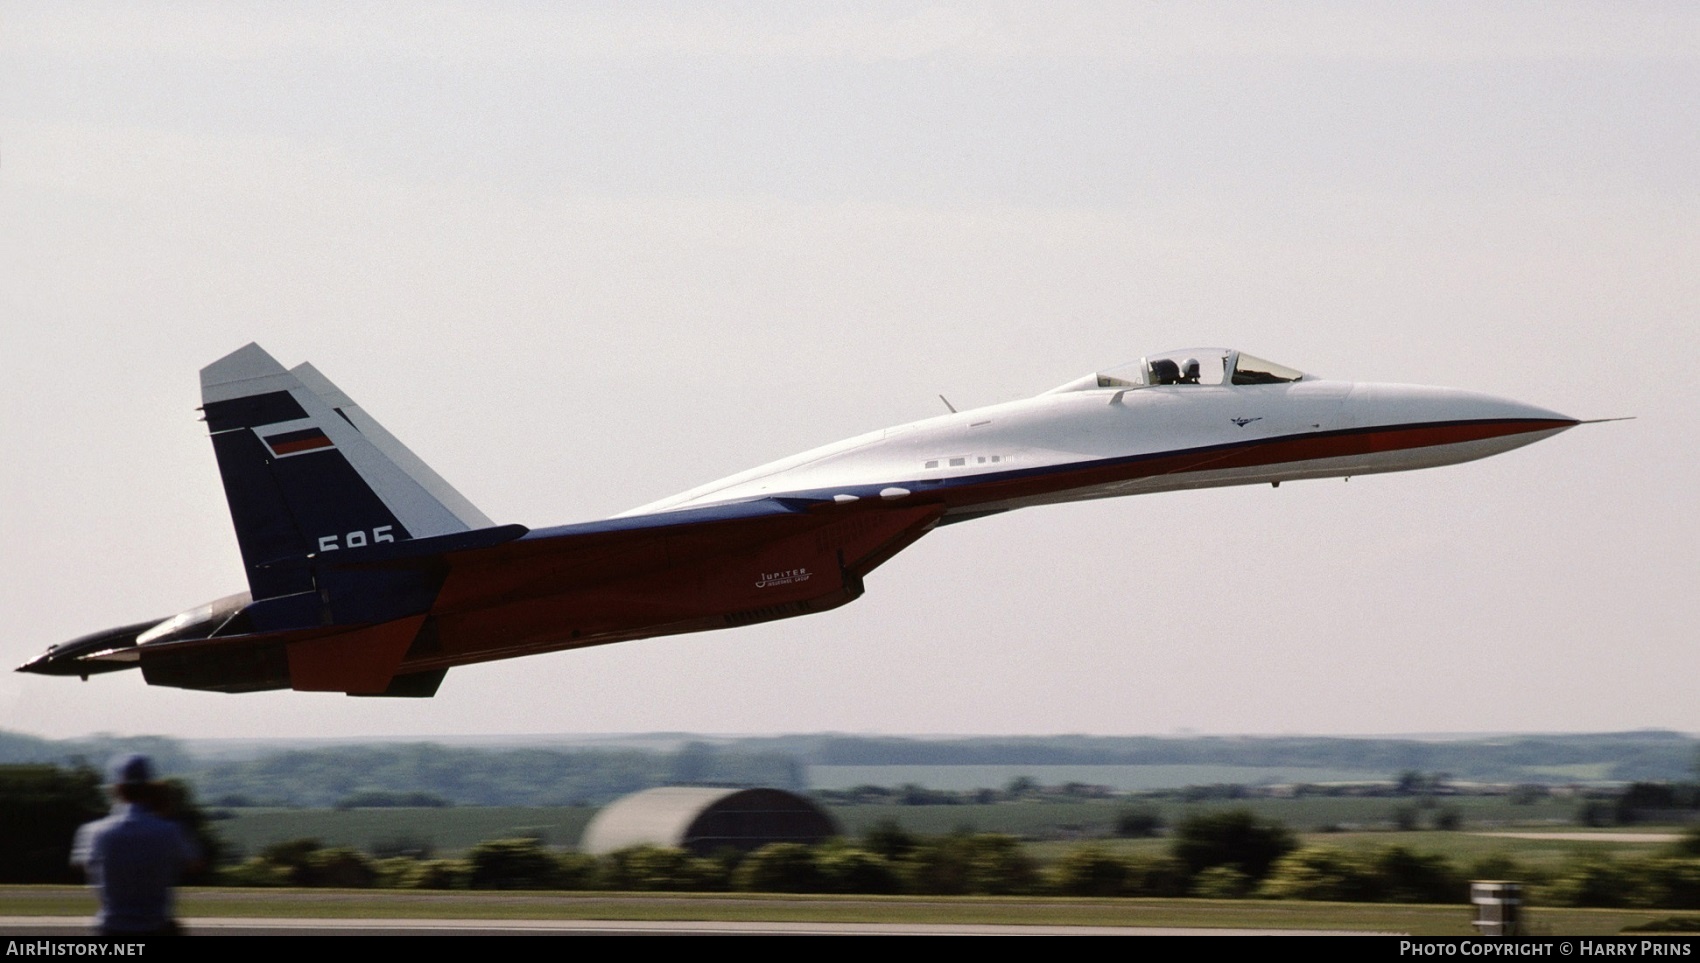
[(368, 574)]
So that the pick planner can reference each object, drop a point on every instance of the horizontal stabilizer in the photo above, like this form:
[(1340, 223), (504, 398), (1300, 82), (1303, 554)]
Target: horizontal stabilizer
[(358, 663), (360, 660)]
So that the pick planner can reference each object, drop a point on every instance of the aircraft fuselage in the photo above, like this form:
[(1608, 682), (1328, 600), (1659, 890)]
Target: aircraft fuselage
[(1076, 444), (370, 575)]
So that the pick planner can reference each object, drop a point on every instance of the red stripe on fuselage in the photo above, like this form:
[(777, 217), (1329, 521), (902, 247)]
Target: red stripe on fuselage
[(1258, 453)]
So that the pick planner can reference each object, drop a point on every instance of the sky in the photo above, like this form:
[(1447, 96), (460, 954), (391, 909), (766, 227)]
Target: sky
[(582, 256)]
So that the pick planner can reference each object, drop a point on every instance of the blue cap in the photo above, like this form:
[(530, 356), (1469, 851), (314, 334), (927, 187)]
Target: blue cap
[(129, 770)]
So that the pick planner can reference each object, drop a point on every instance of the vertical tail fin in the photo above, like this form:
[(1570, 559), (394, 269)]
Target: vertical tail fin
[(392, 448), (306, 471)]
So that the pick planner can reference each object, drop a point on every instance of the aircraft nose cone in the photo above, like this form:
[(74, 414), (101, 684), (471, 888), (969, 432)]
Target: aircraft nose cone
[(1422, 427), (1419, 404), (50, 662)]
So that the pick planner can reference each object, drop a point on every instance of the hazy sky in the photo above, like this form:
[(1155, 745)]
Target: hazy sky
[(580, 257)]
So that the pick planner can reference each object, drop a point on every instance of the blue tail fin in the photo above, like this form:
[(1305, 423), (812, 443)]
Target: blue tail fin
[(306, 472)]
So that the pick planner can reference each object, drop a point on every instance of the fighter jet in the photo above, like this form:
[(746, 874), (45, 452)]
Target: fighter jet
[(368, 574)]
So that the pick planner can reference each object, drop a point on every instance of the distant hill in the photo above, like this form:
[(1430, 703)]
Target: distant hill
[(172, 755), (564, 770), (1611, 757)]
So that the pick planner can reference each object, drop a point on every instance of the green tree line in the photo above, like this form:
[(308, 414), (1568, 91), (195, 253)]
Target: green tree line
[(1225, 855)]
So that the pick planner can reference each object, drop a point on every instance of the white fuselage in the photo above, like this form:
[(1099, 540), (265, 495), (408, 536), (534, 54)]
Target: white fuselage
[(1081, 442)]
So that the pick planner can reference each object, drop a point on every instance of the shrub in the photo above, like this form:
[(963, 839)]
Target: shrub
[(1233, 837), (846, 869), (340, 867), (257, 871), (438, 874), (1668, 883), (40, 810), (576, 871), (1592, 881), (1321, 873), (291, 856), (939, 866), (969, 863), (1407, 877), (1221, 882), (393, 871), (660, 869), (1138, 822), (886, 838), (1689, 844), (779, 868), (1090, 871), (998, 866), (1155, 874), (511, 864)]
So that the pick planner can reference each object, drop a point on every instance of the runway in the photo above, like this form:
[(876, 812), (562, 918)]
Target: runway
[(44, 926)]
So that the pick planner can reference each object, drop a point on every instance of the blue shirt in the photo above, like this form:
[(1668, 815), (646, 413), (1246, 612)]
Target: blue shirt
[(133, 858)]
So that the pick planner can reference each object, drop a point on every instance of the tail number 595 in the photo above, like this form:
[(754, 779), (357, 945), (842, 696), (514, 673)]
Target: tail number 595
[(383, 533)]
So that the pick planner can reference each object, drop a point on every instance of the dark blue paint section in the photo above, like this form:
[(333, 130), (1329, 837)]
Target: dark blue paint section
[(274, 550), (325, 496), (413, 550), (282, 507), (252, 411), (242, 668), (300, 611), (415, 685), (378, 595), (384, 581), (736, 511)]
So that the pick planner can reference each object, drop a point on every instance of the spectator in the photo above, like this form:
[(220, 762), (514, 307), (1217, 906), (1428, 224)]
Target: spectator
[(135, 856)]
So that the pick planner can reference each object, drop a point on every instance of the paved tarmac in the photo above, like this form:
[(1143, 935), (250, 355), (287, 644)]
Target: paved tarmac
[(40, 926)]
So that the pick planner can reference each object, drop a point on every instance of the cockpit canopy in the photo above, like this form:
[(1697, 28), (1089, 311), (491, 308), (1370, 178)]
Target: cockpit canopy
[(1189, 366)]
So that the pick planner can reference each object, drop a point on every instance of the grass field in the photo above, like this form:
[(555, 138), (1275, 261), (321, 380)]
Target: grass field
[(1462, 848), (446, 831), (961, 778), (1465, 848), (1368, 918), (1038, 820)]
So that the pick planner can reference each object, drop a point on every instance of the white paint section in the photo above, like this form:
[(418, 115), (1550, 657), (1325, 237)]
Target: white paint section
[(1073, 426), (419, 498), (422, 474), (248, 370), (415, 508)]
